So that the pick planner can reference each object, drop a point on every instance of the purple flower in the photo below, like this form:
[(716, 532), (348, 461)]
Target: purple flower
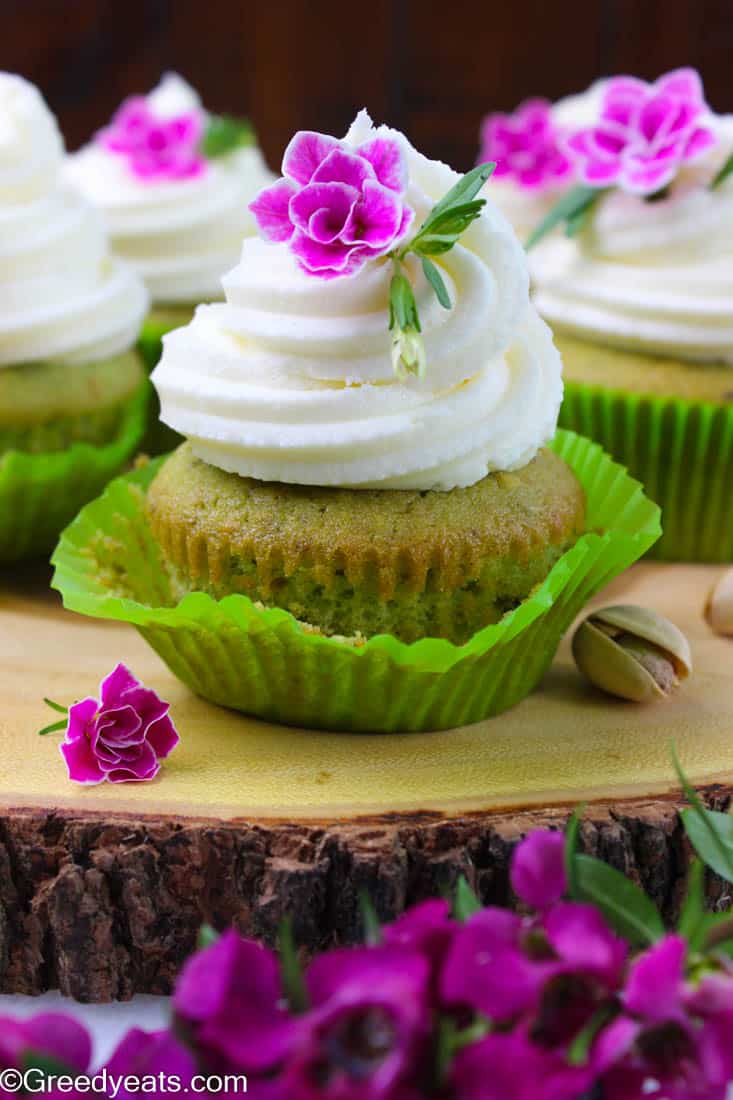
[(155, 148), (366, 1034), (557, 971), (230, 1000), (511, 1067), (538, 868), (681, 1038), (335, 206), (644, 134), (58, 1037), (121, 737), (526, 146), (150, 1054), (426, 928)]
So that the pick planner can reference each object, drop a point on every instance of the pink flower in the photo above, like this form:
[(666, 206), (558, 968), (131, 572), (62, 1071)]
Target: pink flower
[(156, 148), (645, 132), (538, 868), (526, 146), (511, 1067), (121, 737), (336, 207)]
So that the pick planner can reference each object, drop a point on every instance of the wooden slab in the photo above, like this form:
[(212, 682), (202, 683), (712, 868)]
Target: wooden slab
[(102, 889)]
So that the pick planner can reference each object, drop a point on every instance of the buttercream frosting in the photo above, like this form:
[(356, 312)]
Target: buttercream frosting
[(291, 378), (62, 296), (654, 276), (182, 234)]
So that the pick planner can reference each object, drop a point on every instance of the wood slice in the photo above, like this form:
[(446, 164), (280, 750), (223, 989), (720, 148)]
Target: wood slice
[(103, 889)]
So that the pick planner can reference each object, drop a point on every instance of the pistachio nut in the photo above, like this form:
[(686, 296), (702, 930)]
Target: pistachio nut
[(632, 652), (719, 608)]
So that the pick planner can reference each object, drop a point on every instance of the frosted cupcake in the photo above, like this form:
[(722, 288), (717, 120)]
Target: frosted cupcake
[(71, 383), (533, 169), (366, 499), (173, 183), (642, 306)]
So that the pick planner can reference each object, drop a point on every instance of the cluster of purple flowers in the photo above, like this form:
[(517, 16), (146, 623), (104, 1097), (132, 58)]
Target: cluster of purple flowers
[(643, 134), (156, 148), (482, 1004)]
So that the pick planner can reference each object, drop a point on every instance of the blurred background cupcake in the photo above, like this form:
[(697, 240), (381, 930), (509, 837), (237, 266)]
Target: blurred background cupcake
[(173, 183), (641, 301), (72, 397)]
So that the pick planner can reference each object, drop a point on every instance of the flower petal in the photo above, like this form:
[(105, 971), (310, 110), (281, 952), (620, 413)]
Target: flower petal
[(654, 987), (538, 868), (81, 716), (342, 166), (684, 83), (162, 736), (81, 762), (329, 261), (304, 153), (583, 940), (271, 211), (387, 158), (375, 219), (331, 202), (119, 680), (141, 769)]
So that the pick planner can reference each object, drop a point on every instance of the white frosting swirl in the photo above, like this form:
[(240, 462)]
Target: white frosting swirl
[(180, 235), (291, 380), (654, 276), (61, 295)]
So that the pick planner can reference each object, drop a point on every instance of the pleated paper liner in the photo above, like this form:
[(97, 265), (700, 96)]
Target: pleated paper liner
[(41, 493), (159, 438), (264, 662), (682, 452)]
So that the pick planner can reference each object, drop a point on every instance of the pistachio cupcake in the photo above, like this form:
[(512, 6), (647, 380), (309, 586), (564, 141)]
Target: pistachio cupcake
[(71, 383), (362, 531), (642, 304), (173, 183)]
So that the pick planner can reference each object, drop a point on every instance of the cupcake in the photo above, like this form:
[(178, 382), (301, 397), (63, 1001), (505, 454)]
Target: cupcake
[(642, 303), (71, 383), (363, 530), (173, 183)]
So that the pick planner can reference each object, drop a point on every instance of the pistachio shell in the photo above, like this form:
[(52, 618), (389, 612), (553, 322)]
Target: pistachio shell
[(650, 626), (719, 608), (632, 652)]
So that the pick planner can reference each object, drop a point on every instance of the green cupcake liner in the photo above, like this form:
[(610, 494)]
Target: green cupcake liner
[(159, 438), (681, 451), (264, 662), (41, 493)]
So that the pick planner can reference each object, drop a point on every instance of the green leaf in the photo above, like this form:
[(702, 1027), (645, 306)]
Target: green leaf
[(692, 923), (432, 274), (55, 727), (572, 830), (55, 706), (224, 134), (579, 1049), (725, 171), (207, 937), (369, 920), (624, 904), (290, 968), (402, 305), (574, 205), (466, 189), (710, 832), (465, 902), (45, 1063)]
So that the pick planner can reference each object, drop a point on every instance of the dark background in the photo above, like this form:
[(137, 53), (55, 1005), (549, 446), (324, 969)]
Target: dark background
[(431, 68)]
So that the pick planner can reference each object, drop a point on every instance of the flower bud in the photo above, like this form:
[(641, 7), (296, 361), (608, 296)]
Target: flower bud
[(408, 353)]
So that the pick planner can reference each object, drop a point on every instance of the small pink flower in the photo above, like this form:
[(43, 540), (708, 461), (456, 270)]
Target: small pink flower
[(644, 134), (122, 737), (156, 148), (526, 146), (336, 207)]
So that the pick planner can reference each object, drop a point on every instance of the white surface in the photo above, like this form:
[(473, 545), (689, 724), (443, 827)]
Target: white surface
[(106, 1023)]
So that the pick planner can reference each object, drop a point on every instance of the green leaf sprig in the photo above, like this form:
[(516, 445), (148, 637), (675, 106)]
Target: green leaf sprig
[(55, 727), (723, 174), (224, 134), (574, 209), (445, 224)]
